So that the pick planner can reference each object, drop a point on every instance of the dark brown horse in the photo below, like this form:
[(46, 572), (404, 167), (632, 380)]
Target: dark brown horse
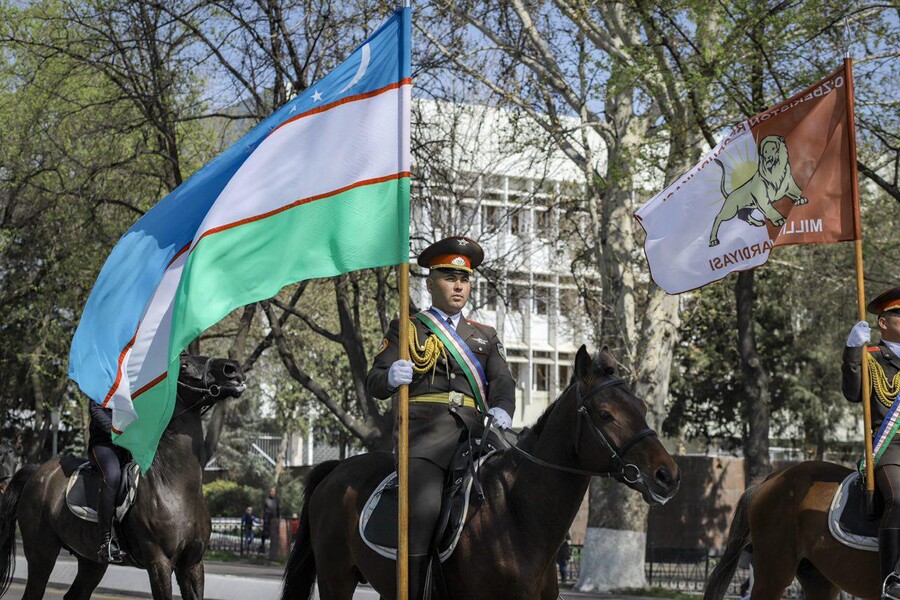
[(168, 526), (510, 539), (784, 520)]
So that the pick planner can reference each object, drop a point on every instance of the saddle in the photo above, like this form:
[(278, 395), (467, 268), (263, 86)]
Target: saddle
[(847, 518), (83, 489), (378, 521)]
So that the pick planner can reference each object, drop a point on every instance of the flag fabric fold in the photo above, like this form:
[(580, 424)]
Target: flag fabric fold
[(319, 188), (781, 177)]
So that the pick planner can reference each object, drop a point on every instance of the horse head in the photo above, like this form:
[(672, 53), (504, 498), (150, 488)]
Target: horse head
[(204, 381), (612, 435)]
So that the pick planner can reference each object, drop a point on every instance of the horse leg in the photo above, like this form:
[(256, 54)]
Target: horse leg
[(86, 581), (337, 588), (41, 559), (190, 581), (160, 573), (773, 572), (815, 585)]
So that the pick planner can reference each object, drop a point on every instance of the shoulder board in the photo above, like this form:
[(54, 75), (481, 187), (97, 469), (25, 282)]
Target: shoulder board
[(874, 349), (471, 322)]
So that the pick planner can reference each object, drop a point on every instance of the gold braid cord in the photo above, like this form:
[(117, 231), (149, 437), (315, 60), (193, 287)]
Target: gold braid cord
[(424, 358), (885, 390)]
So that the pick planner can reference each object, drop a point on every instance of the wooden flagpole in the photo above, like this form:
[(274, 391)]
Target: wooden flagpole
[(403, 444), (403, 426), (860, 290)]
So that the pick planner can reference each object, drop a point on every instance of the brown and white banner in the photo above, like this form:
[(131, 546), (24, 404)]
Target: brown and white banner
[(781, 177)]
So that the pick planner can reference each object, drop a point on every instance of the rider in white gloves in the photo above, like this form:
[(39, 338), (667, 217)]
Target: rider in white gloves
[(883, 363), (462, 376)]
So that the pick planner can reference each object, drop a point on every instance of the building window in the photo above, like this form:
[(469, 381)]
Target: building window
[(490, 218), (516, 224), (565, 374), (541, 378), (519, 298), (542, 225), (541, 303), (487, 294)]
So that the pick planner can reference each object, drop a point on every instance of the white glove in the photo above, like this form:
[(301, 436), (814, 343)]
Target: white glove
[(500, 418), (859, 335), (400, 373)]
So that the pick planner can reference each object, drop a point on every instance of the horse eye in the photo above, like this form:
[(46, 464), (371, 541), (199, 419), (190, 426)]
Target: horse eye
[(605, 417)]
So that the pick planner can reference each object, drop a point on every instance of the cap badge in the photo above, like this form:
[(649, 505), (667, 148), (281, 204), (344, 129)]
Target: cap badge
[(459, 261), (462, 242)]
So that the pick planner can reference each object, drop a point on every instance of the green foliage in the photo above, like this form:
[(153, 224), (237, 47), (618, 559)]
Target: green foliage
[(229, 499)]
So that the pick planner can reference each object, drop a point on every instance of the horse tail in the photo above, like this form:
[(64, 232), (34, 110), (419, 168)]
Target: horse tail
[(722, 185), (9, 502), (300, 571), (738, 540)]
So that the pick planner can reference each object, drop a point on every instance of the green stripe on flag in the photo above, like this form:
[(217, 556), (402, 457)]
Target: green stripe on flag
[(142, 436), (362, 228)]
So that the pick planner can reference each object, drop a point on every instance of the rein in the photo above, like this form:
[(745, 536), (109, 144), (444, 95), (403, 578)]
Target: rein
[(210, 391), (622, 467)]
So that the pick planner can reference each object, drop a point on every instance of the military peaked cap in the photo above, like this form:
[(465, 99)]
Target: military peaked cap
[(453, 253), (886, 301)]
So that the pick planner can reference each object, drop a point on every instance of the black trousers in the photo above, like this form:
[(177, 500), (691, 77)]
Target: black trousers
[(108, 459), (887, 480), (426, 484)]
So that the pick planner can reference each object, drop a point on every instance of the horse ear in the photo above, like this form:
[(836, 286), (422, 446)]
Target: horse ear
[(583, 363), (606, 362)]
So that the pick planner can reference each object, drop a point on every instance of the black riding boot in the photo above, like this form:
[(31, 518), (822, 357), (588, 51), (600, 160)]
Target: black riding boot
[(109, 551), (419, 580), (889, 554)]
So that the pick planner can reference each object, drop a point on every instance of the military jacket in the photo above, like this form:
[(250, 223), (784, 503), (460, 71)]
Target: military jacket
[(433, 431), (851, 385)]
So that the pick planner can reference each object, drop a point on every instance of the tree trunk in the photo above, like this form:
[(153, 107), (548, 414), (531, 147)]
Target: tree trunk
[(756, 384)]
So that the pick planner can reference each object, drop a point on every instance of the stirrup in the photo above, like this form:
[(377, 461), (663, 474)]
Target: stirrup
[(111, 553), (890, 581)]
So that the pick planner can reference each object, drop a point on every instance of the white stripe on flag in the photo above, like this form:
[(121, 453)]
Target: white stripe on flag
[(351, 142), (148, 357)]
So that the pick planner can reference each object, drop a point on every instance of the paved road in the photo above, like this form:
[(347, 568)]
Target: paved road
[(224, 581)]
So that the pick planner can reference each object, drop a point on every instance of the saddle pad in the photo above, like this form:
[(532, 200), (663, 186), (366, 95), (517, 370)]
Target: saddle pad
[(847, 520), (378, 521), (83, 489)]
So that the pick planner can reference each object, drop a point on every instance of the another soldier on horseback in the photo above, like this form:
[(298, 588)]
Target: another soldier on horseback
[(883, 362), (457, 374)]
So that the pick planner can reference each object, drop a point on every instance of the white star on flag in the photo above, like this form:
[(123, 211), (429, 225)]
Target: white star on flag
[(316, 96)]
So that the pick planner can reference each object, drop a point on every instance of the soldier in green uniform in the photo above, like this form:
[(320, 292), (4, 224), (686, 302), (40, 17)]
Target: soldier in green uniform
[(883, 362), (458, 373)]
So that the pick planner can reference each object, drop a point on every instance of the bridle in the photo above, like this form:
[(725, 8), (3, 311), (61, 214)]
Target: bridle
[(210, 391), (626, 471)]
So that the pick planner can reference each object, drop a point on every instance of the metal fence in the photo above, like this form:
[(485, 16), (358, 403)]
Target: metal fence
[(228, 537), (685, 571)]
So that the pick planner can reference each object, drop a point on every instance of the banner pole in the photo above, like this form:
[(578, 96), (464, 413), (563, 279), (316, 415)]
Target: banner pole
[(403, 444), (860, 289)]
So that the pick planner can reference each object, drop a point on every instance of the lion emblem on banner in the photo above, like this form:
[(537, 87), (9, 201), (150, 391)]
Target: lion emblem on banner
[(771, 182)]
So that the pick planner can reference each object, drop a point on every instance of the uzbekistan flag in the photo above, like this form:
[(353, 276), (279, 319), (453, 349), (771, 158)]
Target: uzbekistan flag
[(319, 188)]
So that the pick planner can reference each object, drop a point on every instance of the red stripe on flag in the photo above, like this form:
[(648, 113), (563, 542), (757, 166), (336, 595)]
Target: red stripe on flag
[(347, 188), (347, 100)]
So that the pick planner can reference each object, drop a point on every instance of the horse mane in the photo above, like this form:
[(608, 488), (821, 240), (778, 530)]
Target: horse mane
[(603, 364)]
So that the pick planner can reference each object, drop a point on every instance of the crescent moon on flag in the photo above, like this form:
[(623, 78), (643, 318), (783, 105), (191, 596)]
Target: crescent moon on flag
[(363, 65)]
